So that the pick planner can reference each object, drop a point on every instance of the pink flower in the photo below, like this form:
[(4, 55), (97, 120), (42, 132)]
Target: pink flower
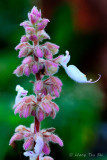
[(52, 47), (35, 68), (39, 52), (51, 67), (30, 30), (47, 53), (33, 38), (22, 45), (25, 106), (19, 70), (42, 24), (42, 35), (29, 143), (35, 12), (16, 137), (46, 108), (26, 24), (21, 132), (25, 51), (27, 60), (38, 86), (48, 136), (33, 18), (24, 39), (42, 140), (53, 86)]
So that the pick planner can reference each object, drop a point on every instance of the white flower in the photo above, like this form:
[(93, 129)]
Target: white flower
[(21, 93), (37, 149), (73, 72), (39, 144), (30, 154)]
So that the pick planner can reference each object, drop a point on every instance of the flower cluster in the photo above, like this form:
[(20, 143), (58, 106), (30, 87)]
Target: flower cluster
[(39, 60), (38, 141)]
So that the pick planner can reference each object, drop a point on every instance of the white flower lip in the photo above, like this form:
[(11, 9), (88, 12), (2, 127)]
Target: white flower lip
[(73, 72), (30, 154), (21, 90), (21, 93)]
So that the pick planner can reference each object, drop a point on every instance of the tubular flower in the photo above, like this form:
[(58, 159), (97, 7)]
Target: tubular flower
[(73, 72)]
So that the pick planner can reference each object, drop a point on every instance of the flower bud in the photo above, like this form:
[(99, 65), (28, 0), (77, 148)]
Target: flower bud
[(39, 52), (53, 113), (23, 52), (56, 139), (40, 114), (27, 60), (51, 67), (19, 70), (25, 24), (57, 59), (20, 128), (33, 19), (47, 53), (35, 12), (38, 86), (22, 45), (27, 111), (46, 107), (52, 47), (24, 39), (35, 68), (30, 30), (46, 149), (16, 137), (27, 70), (28, 144), (42, 35), (33, 38), (41, 25)]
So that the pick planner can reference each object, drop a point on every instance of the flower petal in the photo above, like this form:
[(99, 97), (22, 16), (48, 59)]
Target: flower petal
[(75, 74)]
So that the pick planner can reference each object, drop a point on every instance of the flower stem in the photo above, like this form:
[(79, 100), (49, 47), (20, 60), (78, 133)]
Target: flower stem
[(36, 125)]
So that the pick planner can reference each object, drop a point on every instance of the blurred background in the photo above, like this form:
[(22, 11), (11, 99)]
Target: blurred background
[(79, 26)]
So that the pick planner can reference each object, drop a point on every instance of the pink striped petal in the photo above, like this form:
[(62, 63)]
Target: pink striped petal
[(46, 107), (28, 144), (39, 52), (56, 139), (46, 149), (27, 111), (28, 59), (40, 115), (16, 137)]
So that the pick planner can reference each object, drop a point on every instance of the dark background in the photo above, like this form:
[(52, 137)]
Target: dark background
[(79, 26)]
